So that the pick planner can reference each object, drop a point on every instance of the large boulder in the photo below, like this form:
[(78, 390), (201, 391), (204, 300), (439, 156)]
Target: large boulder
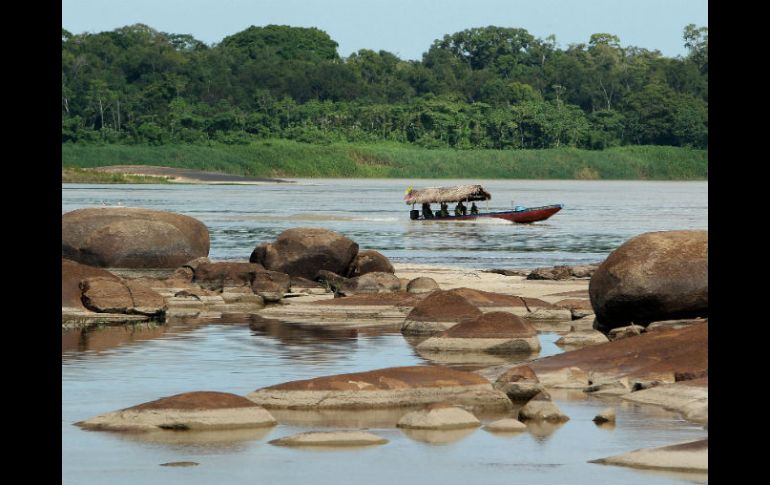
[(439, 311), (72, 273), (385, 388), (305, 251), (189, 411), (422, 284), (370, 261), (132, 238), (654, 276)]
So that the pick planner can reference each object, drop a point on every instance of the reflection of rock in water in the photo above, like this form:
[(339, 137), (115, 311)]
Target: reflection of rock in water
[(542, 430), (293, 334), (99, 339), (232, 440), (438, 437), (368, 418)]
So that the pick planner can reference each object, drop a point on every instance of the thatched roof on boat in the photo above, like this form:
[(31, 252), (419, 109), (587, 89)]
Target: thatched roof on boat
[(457, 193)]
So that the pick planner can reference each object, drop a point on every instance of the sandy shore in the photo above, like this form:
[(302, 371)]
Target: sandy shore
[(186, 176)]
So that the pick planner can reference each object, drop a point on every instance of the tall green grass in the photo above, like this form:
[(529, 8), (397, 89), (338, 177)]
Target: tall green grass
[(285, 158)]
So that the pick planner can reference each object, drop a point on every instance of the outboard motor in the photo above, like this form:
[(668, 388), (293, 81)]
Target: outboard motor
[(414, 214)]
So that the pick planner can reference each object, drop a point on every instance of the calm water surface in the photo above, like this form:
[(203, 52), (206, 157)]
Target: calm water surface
[(597, 217), (113, 368)]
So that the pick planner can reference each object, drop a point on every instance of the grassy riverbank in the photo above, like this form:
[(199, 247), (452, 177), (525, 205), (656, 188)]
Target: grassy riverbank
[(285, 158), (75, 175)]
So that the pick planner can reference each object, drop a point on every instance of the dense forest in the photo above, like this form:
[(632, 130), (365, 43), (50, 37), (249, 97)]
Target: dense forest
[(482, 88)]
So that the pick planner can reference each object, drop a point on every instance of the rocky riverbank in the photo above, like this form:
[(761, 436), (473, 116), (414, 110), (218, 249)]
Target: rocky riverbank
[(651, 350)]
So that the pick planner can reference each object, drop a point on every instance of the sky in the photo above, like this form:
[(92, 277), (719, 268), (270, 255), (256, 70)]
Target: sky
[(406, 28)]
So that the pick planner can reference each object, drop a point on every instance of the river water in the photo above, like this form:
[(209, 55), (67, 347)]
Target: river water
[(113, 368), (597, 216)]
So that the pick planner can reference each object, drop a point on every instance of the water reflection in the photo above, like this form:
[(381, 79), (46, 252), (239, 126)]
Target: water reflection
[(221, 441), (438, 437)]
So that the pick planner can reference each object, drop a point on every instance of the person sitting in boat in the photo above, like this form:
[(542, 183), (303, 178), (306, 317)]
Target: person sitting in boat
[(474, 209), (426, 212), (460, 209), (444, 210)]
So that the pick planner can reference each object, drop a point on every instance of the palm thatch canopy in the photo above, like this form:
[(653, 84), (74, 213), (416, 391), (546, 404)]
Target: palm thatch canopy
[(447, 194)]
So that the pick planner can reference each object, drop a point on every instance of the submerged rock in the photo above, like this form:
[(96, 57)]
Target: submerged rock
[(189, 411), (392, 387), (132, 238), (605, 416), (494, 332), (541, 408), (683, 457), (331, 438), (507, 425), (439, 416)]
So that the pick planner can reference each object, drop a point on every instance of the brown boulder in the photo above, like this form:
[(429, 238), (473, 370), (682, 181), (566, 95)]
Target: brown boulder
[(271, 285), (370, 261), (107, 295), (72, 273), (305, 251), (439, 311), (132, 238), (215, 276), (422, 284), (492, 325), (370, 283), (520, 384), (654, 276)]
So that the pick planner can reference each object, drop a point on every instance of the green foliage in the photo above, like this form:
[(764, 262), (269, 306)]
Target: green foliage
[(284, 158), (481, 88)]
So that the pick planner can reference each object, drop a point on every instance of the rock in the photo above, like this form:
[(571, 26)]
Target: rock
[(566, 378), (217, 276), (605, 416), (369, 261), (688, 397), (654, 355), (332, 280), (194, 263), (383, 388), (654, 276), (72, 273), (331, 438), (507, 425), (422, 284), (145, 300), (304, 285), (509, 272), (188, 411), (107, 295), (520, 384), (582, 338), (494, 332), (439, 416), (578, 307), (439, 311), (404, 283), (683, 457), (674, 323), (625, 332), (555, 273), (184, 273), (306, 251), (370, 283), (488, 302), (550, 314), (132, 238), (270, 285), (541, 408)]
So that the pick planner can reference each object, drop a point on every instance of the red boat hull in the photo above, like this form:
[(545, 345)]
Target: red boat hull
[(532, 214)]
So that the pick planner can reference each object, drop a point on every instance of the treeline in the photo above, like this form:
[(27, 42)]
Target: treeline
[(493, 87)]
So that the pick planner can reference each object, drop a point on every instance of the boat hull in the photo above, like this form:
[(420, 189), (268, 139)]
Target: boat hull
[(530, 214)]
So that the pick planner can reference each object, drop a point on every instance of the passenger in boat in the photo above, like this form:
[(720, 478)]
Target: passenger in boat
[(474, 209), (426, 212), (444, 210), (460, 209)]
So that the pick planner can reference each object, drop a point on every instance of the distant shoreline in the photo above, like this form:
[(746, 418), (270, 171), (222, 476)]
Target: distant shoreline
[(270, 161)]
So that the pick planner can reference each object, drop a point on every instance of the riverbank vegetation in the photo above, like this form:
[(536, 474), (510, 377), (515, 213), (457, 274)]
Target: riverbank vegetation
[(75, 175), (286, 158), (284, 98)]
